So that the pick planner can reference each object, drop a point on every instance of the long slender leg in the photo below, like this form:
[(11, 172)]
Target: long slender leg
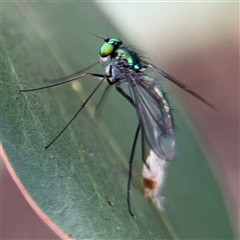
[(143, 147), (119, 89), (122, 92), (74, 75), (130, 100), (65, 81), (79, 110), (101, 101), (130, 169)]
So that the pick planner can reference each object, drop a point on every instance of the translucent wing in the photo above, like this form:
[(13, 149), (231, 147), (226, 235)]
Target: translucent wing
[(154, 114), (179, 84)]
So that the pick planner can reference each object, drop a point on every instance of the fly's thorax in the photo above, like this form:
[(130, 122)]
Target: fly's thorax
[(117, 70), (130, 56)]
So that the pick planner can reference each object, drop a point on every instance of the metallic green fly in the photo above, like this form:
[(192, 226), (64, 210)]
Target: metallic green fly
[(145, 95)]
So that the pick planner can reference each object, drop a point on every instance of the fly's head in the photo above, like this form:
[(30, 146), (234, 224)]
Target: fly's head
[(109, 47)]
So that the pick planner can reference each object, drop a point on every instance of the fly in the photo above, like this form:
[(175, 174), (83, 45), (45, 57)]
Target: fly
[(145, 95)]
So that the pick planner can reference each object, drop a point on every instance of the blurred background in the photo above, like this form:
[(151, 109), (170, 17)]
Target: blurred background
[(198, 43)]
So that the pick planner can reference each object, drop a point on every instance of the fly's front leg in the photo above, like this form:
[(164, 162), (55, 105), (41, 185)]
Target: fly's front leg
[(105, 93), (74, 75), (64, 80), (79, 110)]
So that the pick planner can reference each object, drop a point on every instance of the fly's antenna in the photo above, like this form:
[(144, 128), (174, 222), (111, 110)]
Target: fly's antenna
[(97, 36), (108, 26)]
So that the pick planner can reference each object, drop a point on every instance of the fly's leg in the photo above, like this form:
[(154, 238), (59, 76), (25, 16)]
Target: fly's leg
[(74, 75), (79, 110), (122, 92), (130, 100), (118, 88), (143, 149), (67, 80), (99, 106), (130, 169)]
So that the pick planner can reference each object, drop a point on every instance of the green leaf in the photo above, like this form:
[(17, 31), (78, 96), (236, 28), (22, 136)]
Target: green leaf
[(69, 182)]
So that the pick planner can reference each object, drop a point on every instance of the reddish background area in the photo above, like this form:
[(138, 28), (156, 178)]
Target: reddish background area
[(18, 219)]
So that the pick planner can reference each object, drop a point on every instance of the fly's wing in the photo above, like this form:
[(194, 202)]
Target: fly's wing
[(179, 84), (153, 113)]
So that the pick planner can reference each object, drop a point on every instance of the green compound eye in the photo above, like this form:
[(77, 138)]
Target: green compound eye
[(109, 47), (106, 50)]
